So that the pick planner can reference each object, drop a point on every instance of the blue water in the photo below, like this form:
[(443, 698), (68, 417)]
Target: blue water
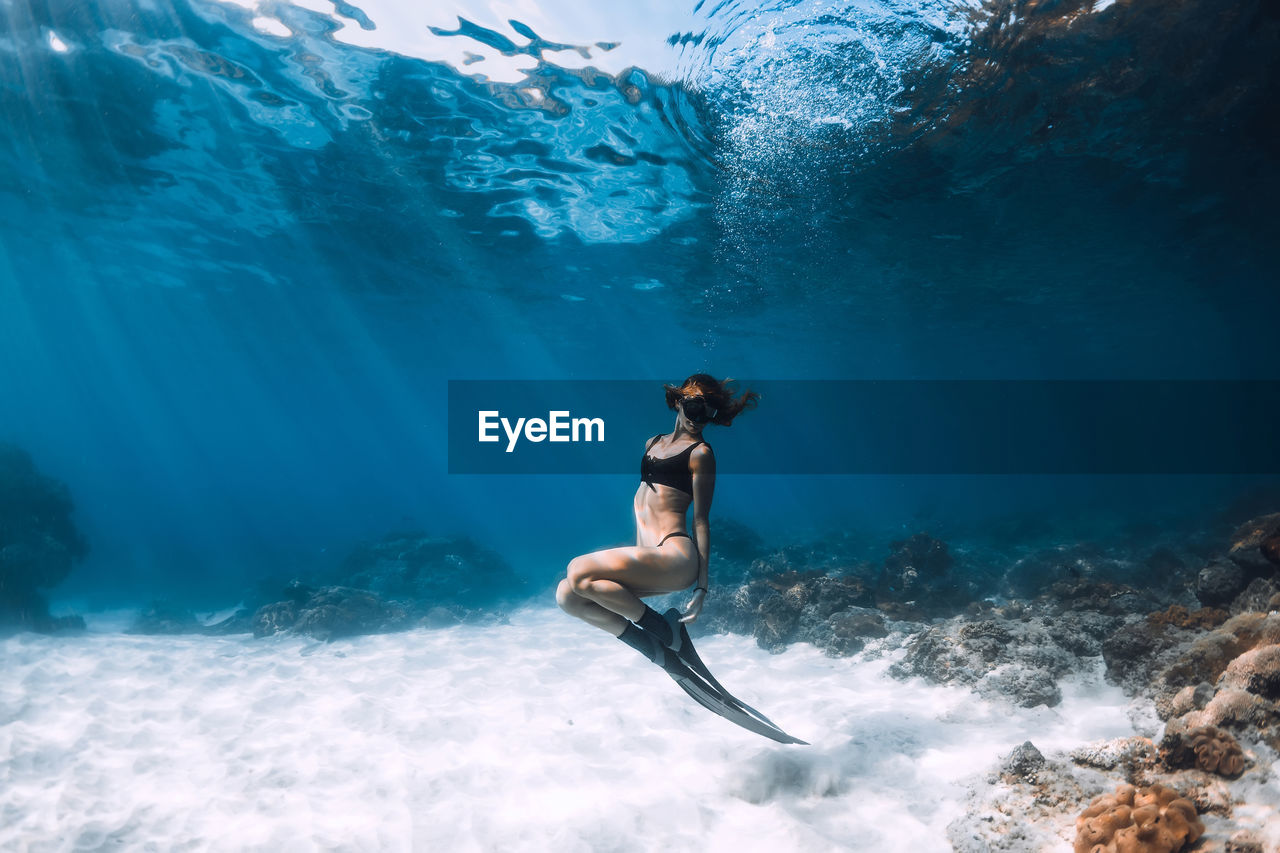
[(244, 250)]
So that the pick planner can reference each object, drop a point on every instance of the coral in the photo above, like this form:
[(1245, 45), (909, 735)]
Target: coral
[(1133, 756), (1259, 595), (1019, 661), (1208, 657), (1022, 764), (917, 579), (328, 613), (780, 605), (1180, 617), (424, 571), (1216, 751), (1154, 819), (1256, 544), (1257, 671), (1236, 707), (39, 542)]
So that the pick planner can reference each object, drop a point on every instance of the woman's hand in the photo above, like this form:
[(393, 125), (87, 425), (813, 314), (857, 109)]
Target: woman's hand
[(695, 605)]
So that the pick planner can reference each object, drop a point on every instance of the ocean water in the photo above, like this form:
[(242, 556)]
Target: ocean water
[(245, 246)]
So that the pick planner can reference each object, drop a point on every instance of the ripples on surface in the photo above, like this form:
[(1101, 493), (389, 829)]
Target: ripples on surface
[(863, 158), (574, 136)]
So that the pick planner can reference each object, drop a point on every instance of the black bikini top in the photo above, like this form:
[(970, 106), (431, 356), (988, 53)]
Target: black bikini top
[(670, 471)]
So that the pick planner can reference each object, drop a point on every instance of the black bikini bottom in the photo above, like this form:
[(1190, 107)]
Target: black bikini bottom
[(678, 533)]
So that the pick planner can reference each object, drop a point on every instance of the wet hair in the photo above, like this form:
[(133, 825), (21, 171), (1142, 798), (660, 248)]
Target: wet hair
[(718, 393)]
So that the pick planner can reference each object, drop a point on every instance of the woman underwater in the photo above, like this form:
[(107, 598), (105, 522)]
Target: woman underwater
[(604, 588)]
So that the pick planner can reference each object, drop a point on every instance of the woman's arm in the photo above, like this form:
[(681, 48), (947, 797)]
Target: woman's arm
[(702, 535), (702, 464)]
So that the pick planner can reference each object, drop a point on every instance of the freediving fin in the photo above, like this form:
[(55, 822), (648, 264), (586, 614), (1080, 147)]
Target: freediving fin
[(682, 645), (687, 670), (719, 703)]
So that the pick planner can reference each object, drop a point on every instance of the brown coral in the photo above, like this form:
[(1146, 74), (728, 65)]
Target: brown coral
[(1154, 819), (1180, 617), (1209, 655), (1216, 751), (1238, 708), (1257, 670)]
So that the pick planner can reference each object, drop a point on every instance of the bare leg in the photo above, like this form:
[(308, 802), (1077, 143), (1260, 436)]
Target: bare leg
[(593, 591), (610, 595), (587, 610)]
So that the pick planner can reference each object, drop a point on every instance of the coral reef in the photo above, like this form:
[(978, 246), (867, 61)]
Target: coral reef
[(39, 542), (328, 613), (1154, 819), (1179, 616), (916, 579), (783, 607), (1216, 751), (1229, 676), (1039, 571), (1255, 546), (1134, 758), (1220, 582), (1017, 660), (1026, 802), (1260, 595), (428, 571)]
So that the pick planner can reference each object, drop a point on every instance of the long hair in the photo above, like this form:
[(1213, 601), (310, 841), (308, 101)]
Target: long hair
[(718, 393)]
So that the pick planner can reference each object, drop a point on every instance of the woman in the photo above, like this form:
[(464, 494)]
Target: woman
[(604, 588)]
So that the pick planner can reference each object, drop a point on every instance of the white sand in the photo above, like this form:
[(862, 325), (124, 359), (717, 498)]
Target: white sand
[(541, 734)]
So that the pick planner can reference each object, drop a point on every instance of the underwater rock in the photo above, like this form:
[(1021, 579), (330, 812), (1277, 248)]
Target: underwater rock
[(423, 572), (788, 606), (335, 612), (1154, 819), (1018, 661), (1206, 618), (274, 618), (1255, 545), (1142, 647), (1219, 582), (916, 580), (1026, 687), (1078, 566), (1081, 632), (1022, 764), (39, 543), (846, 632), (1104, 597), (1133, 757), (329, 613), (1025, 803), (1262, 595)]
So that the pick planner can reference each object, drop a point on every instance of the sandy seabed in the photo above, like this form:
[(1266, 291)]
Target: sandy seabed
[(535, 735)]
